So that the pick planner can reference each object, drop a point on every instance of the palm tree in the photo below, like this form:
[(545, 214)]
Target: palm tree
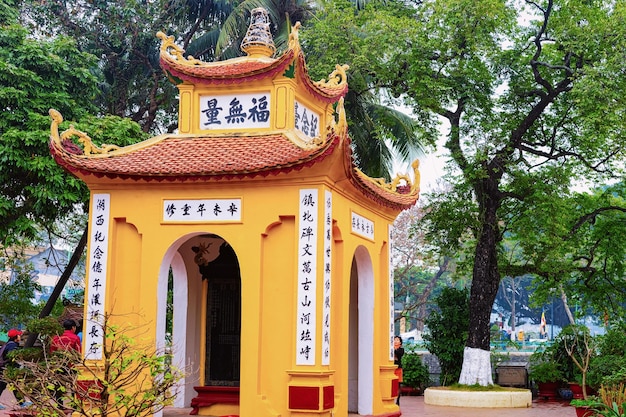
[(224, 24)]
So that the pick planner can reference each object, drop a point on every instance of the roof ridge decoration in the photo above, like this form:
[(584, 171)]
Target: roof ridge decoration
[(258, 40), (401, 184), (293, 42), (169, 47), (341, 125), (64, 140), (337, 78)]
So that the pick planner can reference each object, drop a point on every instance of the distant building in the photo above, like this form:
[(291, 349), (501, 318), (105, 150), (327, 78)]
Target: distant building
[(47, 266)]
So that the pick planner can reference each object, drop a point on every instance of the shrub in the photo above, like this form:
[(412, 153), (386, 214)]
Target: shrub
[(608, 367), (414, 373), (131, 379), (545, 371), (448, 327)]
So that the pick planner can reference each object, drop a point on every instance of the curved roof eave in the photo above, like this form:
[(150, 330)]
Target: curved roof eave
[(182, 158)]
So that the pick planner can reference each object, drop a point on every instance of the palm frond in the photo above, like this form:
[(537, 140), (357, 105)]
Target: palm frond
[(203, 47)]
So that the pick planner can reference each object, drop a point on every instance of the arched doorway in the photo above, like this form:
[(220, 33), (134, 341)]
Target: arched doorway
[(205, 303), (361, 334), (223, 314)]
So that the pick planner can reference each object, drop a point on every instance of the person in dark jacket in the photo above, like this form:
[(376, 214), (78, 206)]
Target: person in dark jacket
[(15, 336), (398, 352)]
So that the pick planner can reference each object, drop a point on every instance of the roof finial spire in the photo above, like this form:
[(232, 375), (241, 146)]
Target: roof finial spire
[(258, 41)]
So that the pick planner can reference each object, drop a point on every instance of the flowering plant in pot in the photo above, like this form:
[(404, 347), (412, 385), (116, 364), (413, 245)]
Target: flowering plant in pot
[(585, 407)]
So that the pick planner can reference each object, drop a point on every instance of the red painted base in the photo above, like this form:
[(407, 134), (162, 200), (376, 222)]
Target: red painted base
[(584, 412), (548, 390), (577, 390), (208, 396)]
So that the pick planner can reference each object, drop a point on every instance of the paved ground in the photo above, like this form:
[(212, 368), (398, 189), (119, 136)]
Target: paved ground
[(415, 407)]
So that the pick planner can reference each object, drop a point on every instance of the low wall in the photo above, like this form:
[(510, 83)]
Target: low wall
[(443, 396)]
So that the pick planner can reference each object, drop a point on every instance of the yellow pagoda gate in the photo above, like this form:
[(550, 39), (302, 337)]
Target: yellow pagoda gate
[(277, 248)]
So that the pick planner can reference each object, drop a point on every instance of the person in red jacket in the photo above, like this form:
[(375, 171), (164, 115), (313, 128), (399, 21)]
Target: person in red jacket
[(68, 340)]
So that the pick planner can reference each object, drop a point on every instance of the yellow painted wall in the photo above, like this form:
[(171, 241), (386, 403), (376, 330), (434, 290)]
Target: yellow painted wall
[(266, 245)]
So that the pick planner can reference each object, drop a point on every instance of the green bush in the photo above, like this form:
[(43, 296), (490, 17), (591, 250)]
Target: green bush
[(45, 327), (608, 367), (447, 332), (545, 371), (414, 373)]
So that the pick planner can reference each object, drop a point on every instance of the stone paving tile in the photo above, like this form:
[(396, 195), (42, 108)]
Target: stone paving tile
[(412, 406), (415, 407)]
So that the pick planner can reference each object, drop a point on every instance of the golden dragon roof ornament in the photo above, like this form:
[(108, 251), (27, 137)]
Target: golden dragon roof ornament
[(401, 180), (61, 139)]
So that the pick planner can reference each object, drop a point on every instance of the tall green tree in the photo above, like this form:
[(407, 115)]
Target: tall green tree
[(35, 193), (530, 99), (354, 33), (36, 75), (122, 35), (530, 96)]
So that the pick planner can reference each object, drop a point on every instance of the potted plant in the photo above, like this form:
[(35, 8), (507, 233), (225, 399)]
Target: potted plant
[(547, 375), (415, 374), (611, 401), (580, 347), (585, 407)]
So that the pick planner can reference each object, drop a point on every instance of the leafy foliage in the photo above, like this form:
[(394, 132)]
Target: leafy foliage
[(131, 380), (608, 367), (16, 307), (122, 34), (447, 332), (36, 75), (377, 129), (529, 94), (545, 371), (415, 373)]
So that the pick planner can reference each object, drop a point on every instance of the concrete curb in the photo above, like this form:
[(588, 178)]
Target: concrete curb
[(479, 399)]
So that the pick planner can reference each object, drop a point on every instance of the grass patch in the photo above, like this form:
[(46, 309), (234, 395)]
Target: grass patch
[(480, 388)]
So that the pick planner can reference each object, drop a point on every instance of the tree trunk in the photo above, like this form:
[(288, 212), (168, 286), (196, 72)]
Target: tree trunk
[(513, 312), (568, 311), (58, 288), (422, 301), (485, 282)]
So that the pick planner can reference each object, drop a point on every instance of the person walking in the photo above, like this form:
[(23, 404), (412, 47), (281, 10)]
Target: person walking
[(15, 336)]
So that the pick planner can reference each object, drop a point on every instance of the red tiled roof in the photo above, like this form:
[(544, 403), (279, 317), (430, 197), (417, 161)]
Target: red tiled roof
[(193, 158), (236, 70), (227, 72), (182, 158)]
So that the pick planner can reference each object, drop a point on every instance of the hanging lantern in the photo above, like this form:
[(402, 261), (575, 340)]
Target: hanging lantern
[(258, 41)]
